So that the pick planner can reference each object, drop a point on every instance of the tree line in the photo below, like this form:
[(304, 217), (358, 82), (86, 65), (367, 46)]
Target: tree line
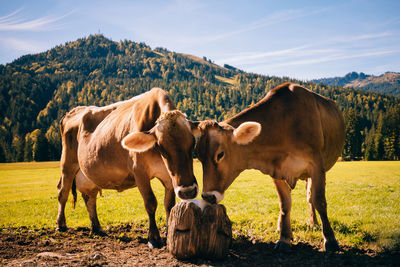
[(37, 90)]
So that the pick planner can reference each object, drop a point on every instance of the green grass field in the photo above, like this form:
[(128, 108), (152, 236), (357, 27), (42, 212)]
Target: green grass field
[(363, 203)]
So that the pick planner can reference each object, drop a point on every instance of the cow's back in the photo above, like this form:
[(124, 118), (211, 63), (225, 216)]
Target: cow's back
[(295, 121), (320, 120), (69, 128), (316, 121), (101, 155)]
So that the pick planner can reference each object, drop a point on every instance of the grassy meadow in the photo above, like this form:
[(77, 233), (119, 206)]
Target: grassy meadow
[(363, 203)]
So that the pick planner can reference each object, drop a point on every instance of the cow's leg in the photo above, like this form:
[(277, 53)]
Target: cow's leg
[(312, 221), (150, 203), (69, 167), (169, 198), (319, 202), (90, 202), (68, 172), (169, 202), (285, 204), (89, 192)]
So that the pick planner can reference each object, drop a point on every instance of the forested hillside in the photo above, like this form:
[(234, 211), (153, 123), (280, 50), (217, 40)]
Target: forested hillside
[(37, 90), (387, 83)]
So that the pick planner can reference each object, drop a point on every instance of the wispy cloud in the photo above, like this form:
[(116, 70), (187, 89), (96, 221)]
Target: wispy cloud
[(348, 39), (295, 51), (336, 48), (284, 16), (24, 46), (7, 18), (333, 57), (278, 17), (390, 22), (16, 22)]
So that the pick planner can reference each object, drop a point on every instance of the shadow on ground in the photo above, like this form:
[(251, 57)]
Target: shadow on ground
[(125, 245)]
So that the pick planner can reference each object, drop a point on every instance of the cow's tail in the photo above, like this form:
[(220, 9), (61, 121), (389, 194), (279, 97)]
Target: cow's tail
[(73, 190)]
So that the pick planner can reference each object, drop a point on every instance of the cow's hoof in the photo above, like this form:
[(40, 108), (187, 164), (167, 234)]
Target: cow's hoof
[(331, 245), (154, 243), (282, 246), (99, 233), (61, 228)]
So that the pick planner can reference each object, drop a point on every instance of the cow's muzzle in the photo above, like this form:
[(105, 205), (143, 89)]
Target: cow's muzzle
[(188, 192), (212, 197)]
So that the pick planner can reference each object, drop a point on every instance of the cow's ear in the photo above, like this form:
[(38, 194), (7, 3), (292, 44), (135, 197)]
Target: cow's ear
[(246, 132), (194, 126), (138, 142)]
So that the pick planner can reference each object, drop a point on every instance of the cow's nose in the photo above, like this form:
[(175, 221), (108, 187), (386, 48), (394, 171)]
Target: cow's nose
[(210, 198), (189, 192)]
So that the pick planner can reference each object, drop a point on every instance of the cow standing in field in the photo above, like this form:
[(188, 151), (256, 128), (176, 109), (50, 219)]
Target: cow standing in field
[(124, 145), (291, 134)]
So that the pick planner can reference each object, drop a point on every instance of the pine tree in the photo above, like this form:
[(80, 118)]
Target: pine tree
[(39, 146), (19, 149), (352, 147), (370, 148), (53, 139), (379, 142), (28, 148), (2, 154)]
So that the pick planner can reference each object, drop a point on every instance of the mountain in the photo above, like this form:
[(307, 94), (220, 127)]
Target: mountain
[(388, 83), (37, 90)]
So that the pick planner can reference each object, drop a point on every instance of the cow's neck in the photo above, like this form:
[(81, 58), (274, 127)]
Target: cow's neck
[(250, 157), (260, 109), (253, 155)]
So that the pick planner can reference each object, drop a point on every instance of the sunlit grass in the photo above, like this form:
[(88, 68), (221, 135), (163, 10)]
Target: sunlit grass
[(363, 203), (230, 81)]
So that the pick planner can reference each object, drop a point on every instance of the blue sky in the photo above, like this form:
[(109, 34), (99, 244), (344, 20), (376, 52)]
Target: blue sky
[(299, 39)]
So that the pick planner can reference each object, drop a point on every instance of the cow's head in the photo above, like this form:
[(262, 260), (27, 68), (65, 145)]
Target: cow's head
[(173, 138), (220, 149)]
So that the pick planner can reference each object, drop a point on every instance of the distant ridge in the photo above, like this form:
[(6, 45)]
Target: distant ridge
[(387, 83)]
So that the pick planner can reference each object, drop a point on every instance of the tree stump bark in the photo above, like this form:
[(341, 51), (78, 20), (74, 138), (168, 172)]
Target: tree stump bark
[(194, 231)]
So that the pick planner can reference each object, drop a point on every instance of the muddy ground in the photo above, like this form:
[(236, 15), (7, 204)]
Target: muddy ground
[(125, 246)]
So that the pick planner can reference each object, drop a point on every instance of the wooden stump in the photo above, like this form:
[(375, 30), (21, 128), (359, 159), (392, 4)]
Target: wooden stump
[(198, 232)]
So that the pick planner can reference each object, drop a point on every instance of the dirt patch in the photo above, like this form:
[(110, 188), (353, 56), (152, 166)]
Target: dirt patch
[(127, 246)]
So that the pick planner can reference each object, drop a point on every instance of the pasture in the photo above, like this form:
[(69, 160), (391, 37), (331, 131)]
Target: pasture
[(363, 204)]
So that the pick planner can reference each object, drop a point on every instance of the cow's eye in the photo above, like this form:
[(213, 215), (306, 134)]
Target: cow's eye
[(220, 156)]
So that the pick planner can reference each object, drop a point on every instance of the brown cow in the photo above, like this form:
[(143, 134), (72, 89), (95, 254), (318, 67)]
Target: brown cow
[(291, 134), (124, 145)]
